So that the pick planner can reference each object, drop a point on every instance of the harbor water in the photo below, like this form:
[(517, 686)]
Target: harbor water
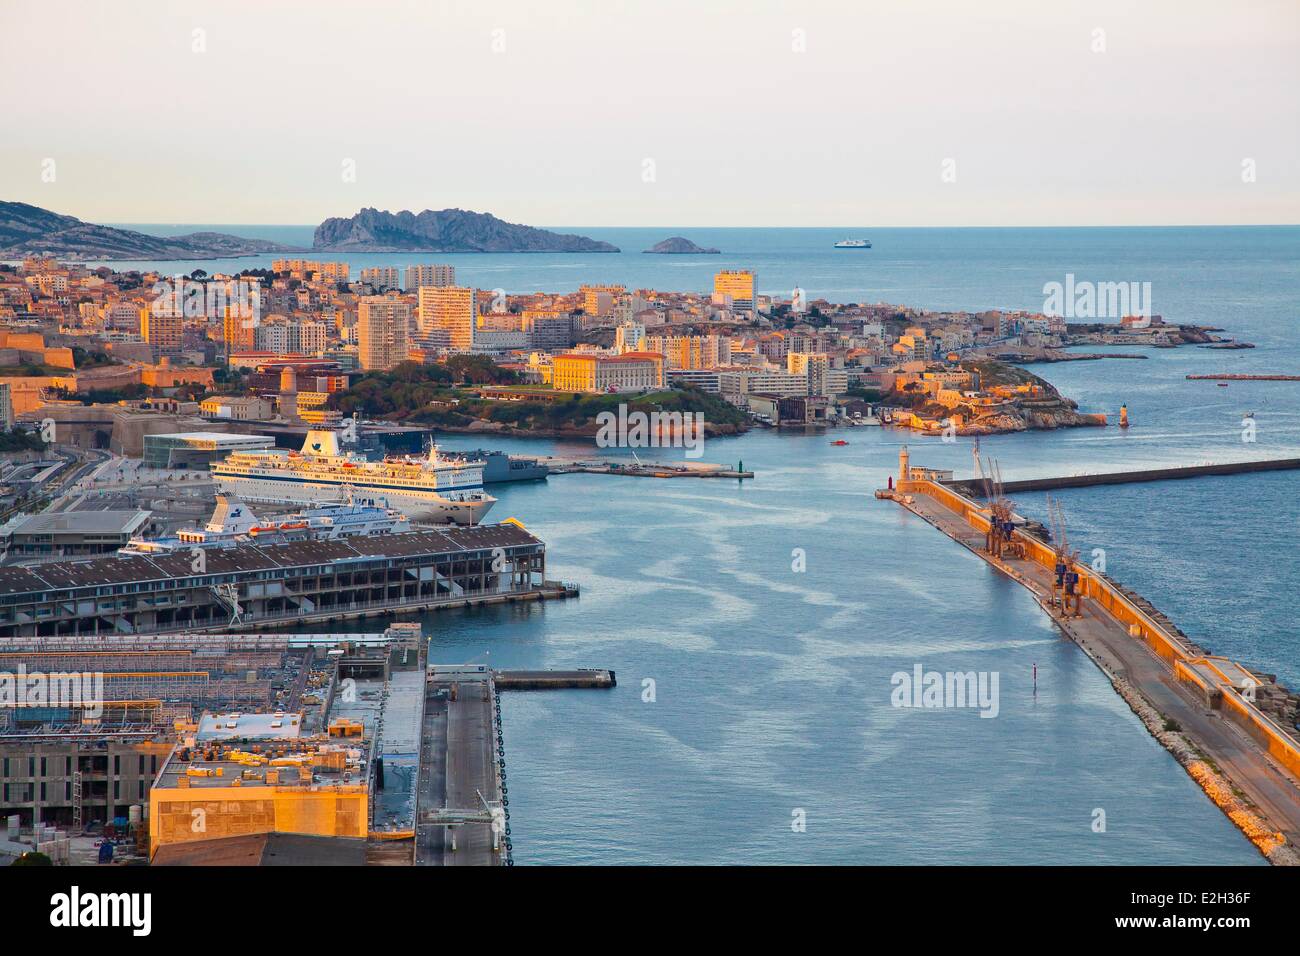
[(756, 626)]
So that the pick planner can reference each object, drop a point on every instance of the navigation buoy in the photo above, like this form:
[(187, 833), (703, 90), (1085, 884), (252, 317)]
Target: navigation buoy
[(1123, 416)]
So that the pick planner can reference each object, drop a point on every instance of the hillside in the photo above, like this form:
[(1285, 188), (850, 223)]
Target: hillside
[(27, 230)]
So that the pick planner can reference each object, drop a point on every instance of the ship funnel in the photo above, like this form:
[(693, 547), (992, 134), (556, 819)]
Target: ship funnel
[(231, 514), (321, 441)]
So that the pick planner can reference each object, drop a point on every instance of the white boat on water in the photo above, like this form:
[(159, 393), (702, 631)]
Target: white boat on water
[(853, 244), (429, 489), (234, 523)]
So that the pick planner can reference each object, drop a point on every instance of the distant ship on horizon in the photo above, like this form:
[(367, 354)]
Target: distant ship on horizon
[(853, 244)]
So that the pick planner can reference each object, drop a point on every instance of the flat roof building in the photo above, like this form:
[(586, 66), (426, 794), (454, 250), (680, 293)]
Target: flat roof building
[(70, 534), (198, 449)]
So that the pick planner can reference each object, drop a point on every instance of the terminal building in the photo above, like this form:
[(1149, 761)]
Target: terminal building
[(275, 584), (61, 535), (198, 449)]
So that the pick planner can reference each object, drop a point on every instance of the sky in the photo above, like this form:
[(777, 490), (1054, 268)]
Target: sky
[(623, 113)]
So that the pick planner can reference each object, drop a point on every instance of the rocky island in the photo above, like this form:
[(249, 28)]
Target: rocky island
[(681, 246), (27, 230), (445, 230)]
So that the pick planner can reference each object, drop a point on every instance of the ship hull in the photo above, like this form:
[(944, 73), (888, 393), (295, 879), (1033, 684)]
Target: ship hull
[(426, 507)]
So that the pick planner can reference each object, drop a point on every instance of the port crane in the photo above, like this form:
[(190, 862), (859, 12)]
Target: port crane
[(1065, 592), (1000, 540)]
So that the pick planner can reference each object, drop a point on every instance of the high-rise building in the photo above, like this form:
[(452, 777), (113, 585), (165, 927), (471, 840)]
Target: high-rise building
[(739, 285), (448, 309), (433, 275), (382, 278), (549, 329), (382, 324), (162, 326)]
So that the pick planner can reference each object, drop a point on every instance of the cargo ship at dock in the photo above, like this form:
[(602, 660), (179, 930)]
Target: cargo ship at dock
[(429, 489)]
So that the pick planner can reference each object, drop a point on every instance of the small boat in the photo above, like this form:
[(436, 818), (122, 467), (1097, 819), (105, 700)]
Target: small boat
[(839, 441), (1221, 384), (853, 244)]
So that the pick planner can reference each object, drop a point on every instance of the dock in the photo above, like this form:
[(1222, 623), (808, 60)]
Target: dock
[(1262, 377), (1130, 477), (641, 469), (461, 810), (1223, 722), (554, 680)]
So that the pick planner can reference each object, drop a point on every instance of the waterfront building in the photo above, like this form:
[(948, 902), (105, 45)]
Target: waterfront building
[(813, 366), (51, 537), (198, 449), (449, 309), (6, 408), (274, 583), (382, 326)]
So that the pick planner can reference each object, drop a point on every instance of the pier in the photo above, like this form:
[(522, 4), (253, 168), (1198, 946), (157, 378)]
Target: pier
[(1131, 477), (1219, 719), (462, 807), (642, 469), (554, 680)]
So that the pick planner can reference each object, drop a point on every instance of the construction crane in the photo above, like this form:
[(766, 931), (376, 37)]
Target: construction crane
[(1065, 591)]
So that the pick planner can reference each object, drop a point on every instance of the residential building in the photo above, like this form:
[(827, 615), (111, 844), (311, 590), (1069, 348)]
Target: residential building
[(383, 323), (449, 309)]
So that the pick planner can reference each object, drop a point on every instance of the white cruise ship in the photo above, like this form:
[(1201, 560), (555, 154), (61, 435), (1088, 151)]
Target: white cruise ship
[(233, 523), (428, 489)]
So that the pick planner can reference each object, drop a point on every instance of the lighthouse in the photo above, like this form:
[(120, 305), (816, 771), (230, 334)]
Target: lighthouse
[(904, 466)]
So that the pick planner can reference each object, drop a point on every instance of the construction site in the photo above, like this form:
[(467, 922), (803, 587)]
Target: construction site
[(1233, 729)]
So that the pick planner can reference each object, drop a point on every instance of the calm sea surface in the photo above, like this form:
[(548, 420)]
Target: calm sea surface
[(771, 687)]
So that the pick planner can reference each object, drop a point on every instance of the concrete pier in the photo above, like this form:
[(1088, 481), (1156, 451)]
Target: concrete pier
[(554, 680), (1200, 708), (971, 487), (461, 811)]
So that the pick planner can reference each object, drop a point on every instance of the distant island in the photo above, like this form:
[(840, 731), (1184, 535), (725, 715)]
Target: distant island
[(27, 230), (446, 230), (680, 246)]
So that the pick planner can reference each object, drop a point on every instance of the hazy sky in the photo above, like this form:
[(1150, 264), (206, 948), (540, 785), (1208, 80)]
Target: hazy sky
[(703, 113)]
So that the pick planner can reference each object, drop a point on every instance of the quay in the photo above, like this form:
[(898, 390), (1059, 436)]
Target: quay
[(641, 469), (554, 680), (1221, 721), (969, 487), (462, 808), (1247, 378), (262, 586)]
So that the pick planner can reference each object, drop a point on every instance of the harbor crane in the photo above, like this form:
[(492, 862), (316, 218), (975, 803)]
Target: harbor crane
[(1000, 540), (1065, 592)]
